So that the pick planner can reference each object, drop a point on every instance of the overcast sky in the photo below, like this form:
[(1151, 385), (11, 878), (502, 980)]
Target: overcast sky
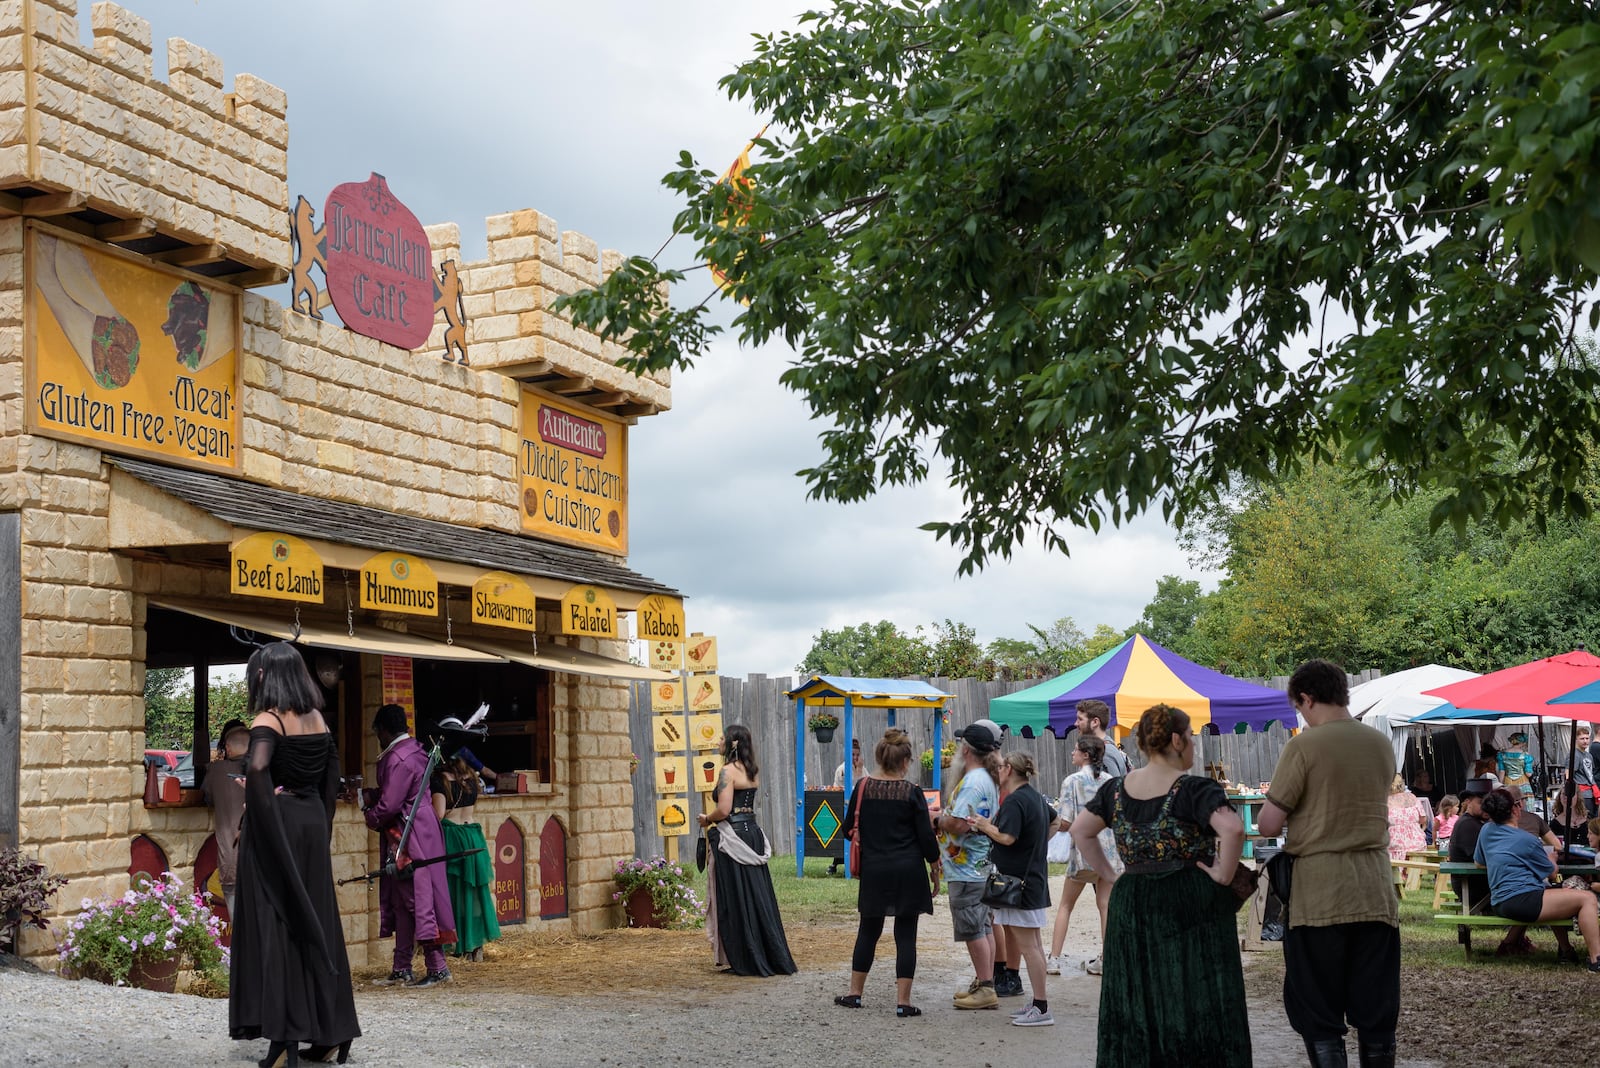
[(475, 108)]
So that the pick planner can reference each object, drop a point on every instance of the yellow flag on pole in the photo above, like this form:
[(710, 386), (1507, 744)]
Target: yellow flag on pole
[(739, 201)]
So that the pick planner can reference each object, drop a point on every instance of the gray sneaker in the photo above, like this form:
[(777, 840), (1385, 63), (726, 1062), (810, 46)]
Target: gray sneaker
[(1094, 967), (1032, 1017)]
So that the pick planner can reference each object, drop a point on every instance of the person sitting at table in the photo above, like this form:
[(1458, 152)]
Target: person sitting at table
[(1588, 881), (1445, 821), (1520, 867), (1474, 889)]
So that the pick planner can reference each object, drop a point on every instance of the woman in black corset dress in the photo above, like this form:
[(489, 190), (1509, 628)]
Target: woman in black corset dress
[(290, 979), (895, 836), (742, 918)]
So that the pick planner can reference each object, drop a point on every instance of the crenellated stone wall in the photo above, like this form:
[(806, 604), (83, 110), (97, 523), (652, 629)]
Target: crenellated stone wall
[(324, 412)]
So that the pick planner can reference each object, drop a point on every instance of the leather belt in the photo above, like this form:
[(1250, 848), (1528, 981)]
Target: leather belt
[(742, 817)]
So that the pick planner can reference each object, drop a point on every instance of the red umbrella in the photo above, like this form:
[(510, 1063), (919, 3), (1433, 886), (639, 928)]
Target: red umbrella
[(1528, 688)]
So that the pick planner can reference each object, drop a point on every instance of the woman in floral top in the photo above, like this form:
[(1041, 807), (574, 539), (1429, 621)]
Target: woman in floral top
[(1173, 991)]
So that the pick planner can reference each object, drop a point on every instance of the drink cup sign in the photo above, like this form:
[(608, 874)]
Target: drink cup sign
[(707, 768), (672, 774)]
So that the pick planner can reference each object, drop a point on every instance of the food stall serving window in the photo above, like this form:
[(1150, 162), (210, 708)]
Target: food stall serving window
[(520, 723)]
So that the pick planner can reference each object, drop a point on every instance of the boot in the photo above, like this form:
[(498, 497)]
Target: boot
[(1376, 1053), (1328, 1053)]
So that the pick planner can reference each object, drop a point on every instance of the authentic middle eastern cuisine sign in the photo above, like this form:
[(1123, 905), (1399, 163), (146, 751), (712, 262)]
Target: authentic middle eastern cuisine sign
[(573, 470), (501, 599), (130, 357), (274, 565), (395, 582)]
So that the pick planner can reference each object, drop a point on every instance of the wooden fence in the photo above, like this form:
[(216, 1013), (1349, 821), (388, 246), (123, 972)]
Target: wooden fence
[(759, 703)]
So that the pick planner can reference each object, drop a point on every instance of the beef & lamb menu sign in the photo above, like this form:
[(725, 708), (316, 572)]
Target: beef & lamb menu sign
[(573, 466)]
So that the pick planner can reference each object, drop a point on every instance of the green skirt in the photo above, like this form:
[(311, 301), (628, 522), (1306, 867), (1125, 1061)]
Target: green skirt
[(1173, 988), (471, 882)]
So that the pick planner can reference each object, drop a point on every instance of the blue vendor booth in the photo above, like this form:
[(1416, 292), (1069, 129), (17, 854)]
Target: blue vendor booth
[(843, 696)]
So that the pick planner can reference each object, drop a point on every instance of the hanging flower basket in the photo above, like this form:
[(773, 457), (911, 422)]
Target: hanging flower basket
[(823, 724)]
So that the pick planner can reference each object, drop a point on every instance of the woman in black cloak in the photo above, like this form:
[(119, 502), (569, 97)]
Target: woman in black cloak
[(290, 979)]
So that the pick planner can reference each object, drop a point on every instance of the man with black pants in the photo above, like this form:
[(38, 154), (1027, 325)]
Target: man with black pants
[(1342, 950)]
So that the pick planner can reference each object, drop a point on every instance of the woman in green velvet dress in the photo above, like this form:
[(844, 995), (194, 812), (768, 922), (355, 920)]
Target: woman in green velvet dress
[(1173, 987), (470, 876)]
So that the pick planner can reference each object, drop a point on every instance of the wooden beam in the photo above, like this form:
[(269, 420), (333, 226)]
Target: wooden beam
[(10, 204), (53, 204), (125, 230), (609, 400), (261, 276), (638, 409), (566, 387), (192, 256)]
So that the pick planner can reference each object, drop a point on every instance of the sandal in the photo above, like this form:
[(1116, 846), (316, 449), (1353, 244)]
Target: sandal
[(848, 1001), (903, 1011)]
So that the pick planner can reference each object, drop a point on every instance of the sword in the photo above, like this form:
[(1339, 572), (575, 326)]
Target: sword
[(390, 869)]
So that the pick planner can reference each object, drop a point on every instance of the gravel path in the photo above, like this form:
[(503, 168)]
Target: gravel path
[(779, 1021)]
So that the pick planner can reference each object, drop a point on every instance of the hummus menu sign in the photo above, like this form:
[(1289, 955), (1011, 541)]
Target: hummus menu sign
[(573, 467), (130, 357)]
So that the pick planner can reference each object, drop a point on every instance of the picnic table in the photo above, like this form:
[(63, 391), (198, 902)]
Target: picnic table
[(1468, 919)]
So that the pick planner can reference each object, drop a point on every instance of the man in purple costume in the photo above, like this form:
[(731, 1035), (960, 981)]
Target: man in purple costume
[(415, 906)]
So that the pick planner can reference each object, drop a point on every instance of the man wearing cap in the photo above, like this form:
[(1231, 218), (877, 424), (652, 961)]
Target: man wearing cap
[(974, 769), (224, 792), (1341, 953)]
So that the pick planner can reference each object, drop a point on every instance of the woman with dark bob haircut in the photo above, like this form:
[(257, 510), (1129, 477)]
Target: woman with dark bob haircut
[(1519, 874), (291, 977)]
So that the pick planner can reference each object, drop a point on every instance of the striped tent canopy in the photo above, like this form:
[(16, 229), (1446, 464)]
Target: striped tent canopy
[(1132, 677)]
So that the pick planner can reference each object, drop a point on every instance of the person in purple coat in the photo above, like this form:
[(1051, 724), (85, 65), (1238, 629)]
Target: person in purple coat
[(414, 906)]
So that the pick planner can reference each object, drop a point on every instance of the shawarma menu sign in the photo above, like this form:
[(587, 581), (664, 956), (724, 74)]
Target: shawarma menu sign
[(573, 467)]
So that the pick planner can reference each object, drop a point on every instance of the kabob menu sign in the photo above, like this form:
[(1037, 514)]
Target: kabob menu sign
[(573, 471), (130, 357)]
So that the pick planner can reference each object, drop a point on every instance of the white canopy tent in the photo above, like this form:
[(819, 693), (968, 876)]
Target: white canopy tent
[(1390, 703)]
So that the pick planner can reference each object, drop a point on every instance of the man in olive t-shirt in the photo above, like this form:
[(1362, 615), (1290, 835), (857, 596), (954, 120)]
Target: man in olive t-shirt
[(1342, 949)]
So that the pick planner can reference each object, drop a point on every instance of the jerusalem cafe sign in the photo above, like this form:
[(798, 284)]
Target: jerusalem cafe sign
[(285, 568)]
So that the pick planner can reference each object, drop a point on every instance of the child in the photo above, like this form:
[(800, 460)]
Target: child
[(1445, 821), (1516, 766)]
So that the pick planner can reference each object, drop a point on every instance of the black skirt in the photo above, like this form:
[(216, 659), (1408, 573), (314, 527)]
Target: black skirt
[(748, 924)]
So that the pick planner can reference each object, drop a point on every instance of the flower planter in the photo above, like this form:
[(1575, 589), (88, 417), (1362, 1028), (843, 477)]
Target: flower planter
[(159, 974), (825, 734), (641, 909)]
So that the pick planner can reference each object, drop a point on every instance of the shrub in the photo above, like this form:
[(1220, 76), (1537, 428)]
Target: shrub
[(826, 721), (26, 889)]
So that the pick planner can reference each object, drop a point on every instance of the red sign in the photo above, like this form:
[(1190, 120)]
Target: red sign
[(510, 891), (379, 264), (552, 870)]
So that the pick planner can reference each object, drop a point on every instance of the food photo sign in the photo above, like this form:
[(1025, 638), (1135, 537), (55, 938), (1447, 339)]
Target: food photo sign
[(129, 356)]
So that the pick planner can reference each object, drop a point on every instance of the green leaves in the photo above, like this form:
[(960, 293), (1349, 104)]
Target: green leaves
[(1101, 258)]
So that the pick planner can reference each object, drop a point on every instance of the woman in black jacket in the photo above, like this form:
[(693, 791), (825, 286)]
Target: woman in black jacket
[(895, 836)]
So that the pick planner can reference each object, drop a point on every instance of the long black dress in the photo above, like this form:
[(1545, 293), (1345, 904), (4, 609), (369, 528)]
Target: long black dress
[(749, 931), (290, 977)]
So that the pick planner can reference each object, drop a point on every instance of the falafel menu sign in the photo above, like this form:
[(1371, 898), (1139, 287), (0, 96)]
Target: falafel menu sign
[(130, 357), (573, 467)]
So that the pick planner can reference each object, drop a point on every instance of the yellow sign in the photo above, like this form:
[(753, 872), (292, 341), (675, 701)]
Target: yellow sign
[(660, 619), (706, 767), (573, 467), (705, 732), (395, 582), (705, 693), (589, 612), (130, 357), (666, 697), (500, 599), (665, 656), (669, 732), (700, 653), (672, 816), (672, 774), (276, 565)]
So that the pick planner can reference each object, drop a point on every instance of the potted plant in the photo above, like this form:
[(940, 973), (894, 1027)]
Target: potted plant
[(657, 893), (26, 888), (142, 937), (633, 763), (824, 724)]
